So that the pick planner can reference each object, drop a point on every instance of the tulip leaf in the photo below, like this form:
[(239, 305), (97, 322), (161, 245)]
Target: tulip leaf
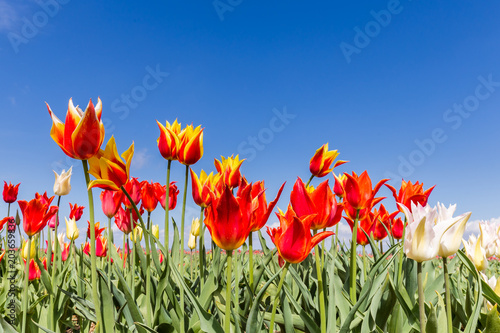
[(492, 321), (107, 305)]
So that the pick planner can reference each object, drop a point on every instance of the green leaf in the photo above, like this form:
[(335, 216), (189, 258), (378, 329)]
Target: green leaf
[(107, 306), (492, 321)]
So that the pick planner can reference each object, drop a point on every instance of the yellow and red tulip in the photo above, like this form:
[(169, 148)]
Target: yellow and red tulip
[(229, 169), (202, 186), (82, 134), (168, 142), (36, 213), (100, 247), (322, 160), (191, 145), (34, 270)]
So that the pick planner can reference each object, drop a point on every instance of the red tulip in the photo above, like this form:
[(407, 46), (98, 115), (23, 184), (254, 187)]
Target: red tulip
[(36, 214), (168, 142), (322, 160), (111, 202), (293, 237), (82, 134), (202, 186), (228, 218), (76, 212), (98, 231), (133, 188), (10, 192), (365, 223), (123, 221), (409, 193), (148, 195), (9, 219), (161, 192), (34, 271), (190, 145), (262, 211), (358, 190), (382, 218), (100, 247), (229, 169), (397, 228), (320, 202)]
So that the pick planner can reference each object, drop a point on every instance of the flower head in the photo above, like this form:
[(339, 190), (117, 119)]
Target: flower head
[(62, 184), (191, 145), (168, 142), (10, 192), (72, 231), (36, 213), (76, 212), (161, 193), (111, 202), (229, 169), (409, 193), (322, 160)]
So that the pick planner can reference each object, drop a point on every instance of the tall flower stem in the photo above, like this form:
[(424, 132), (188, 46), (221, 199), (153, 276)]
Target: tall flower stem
[(183, 218), (321, 296), (148, 273), (311, 178), (352, 290), (25, 291), (421, 301), (227, 317), (110, 241), (365, 265), (447, 294), (277, 298), (202, 252), (167, 194), (93, 267), (400, 263), (323, 252), (132, 267), (250, 260), (52, 323)]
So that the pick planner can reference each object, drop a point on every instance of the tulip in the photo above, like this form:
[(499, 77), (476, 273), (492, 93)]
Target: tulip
[(136, 235), (196, 227), (338, 188), (62, 184), (409, 193), (192, 241), (98, 231), (72, 231), (36, 214), (358, 191), (160, 192), (156, 231), (263, 210), (382, 222), (366, 224), (320, 202), (24, 248), (201, 187), (148, 195), (168, 142), (191, 145), (450, 242), (76, 212), (228, 218), (494, 284), (82, 134), (111, 201), (133, 188), (293, 237), (10, 192), (5, 220), (397, 227), (322, 160), (34, 270), (229, 169), (2, 255), (110, 171), (101, 247), (475, 252), (123, 221), (489, 233), (53, 221)]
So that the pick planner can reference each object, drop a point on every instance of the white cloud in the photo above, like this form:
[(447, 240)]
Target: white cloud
[(140, 159), (8, 16)]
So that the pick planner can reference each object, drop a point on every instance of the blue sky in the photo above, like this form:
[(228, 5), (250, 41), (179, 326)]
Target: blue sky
[(406, 89)]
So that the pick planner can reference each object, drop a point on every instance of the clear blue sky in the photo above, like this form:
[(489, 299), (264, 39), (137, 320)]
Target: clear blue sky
[(382, 81)]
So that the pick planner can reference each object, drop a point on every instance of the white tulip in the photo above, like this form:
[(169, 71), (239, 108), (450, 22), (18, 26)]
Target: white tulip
[(62, 184)]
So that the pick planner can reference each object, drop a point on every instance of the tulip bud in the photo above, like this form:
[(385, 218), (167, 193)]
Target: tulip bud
[(62, 184), (196, 227), (156, 231), (136, 234), (72, 231), (24, 249), (192, 241)]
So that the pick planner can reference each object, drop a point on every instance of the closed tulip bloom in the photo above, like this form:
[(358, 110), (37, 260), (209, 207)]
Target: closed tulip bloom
[(156, 231), (196, 227), (382, 222), (111, 202), (229, 169), (76, 212), (319, 201), (358, 190), (192, 241), (476, 252), (409, 193), (72, 231), (168, 142), (397, 228), (123, 221), (52, 222), (36, 214), (228, 218), (450, 242), (10, 192), (110, 170), (262, 211), (161, 192), (148, 195), (24, 248), (82, 134), (136, 234), (202, 186), (293, 237), (489, 236), (322, 160), (34, 270), (62, 184), (338, 188), (191, 145), (133, 188)]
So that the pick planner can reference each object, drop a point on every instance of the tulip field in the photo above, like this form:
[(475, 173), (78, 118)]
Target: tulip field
[(406, 267)]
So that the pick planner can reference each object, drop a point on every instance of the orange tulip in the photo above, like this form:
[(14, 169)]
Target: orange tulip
[(148, 196), (82, 134), (109, 168), (262, 211), (98, 231), (409, 193), (228, 218), (293, 237), (359, 193), (322, 160), (229, 169), (365, 223), (168, 142), (36, 213), (191, 145), (161, 192)]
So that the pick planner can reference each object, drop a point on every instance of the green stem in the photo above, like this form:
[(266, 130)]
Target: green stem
[(148, 275), (365, 264), (311, 178), (132, 273), (191, 264), (352, 290), (25, 291), (110, 241), (227, 317), (182, 243), (400, 263), (447, 294), (93, 267), (321, 296), (421, 301), (276, 298), (323, 252), (202, 252), (124, 254), (250, 260), (167, 194)]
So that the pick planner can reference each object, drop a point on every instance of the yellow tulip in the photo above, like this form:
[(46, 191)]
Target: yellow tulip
[(72, 231)]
